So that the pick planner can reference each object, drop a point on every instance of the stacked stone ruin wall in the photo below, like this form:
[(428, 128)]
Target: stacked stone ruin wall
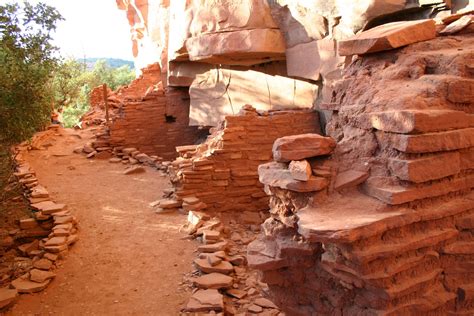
[(222, 172), (156, 124)]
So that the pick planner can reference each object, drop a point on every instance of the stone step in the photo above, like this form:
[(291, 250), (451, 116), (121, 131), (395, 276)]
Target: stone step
[(393, 194), (420, 121), (433, 142), (426, 168), (402, 245)]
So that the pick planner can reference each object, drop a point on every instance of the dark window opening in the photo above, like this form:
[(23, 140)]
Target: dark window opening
[(170, 118)]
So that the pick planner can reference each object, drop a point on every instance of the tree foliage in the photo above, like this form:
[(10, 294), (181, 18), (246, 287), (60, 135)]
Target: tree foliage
[(27, 62), (73, 83)]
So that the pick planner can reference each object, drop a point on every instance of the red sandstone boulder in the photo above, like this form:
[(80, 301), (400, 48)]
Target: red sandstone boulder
[(298, 147)]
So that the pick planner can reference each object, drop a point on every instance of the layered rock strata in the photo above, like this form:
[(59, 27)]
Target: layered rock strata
[(389, 229)]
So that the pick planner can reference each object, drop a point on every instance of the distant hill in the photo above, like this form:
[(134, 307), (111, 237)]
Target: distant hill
[(112, 62)]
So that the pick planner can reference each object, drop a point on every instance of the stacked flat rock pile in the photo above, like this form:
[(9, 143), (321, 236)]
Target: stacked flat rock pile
[(392, 233), (43, 239), (222, 282), (222, 172), (129, 156)]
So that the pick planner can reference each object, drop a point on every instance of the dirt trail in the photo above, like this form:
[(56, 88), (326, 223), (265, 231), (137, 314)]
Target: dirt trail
[(129, 260)]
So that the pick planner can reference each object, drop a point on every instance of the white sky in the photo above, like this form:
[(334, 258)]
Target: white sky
[(94, 28)]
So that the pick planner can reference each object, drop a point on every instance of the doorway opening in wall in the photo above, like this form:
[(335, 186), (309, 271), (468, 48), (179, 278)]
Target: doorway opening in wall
[(170, 118)]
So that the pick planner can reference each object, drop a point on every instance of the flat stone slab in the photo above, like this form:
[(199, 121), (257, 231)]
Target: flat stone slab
[(56, 241), (223, 267), (213, 247), (458, 25), (39, 192), (299, 147), (7, 297), (394, 194), (419, 121), (134, 170), (214, 281), (350, 178), (242, 47), (426, 168), (41, 276), (43, 264), (27, 286), (167, 203), (355, 216), (48, 207), (237, 293), (433, 142), (388, 36), (205, 300), (266, 303)]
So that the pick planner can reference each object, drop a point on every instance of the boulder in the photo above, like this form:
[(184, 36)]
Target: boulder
[(298, 147)]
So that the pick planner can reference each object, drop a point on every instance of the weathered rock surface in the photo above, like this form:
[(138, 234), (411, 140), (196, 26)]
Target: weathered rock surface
[(221, 92), (300, 170), (419, 121), (214, 281), (41, 276), (388, 36), (7, 297), (304, 146), (26, 286), (205, 300), (277, 175), (223, 171)]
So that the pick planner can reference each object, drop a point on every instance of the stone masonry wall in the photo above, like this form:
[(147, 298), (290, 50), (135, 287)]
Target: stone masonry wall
[(222, 172), (392, 232), (156, 124)]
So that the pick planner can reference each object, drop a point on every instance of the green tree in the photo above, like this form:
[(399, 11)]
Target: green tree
[(73, 84), (27, 61)]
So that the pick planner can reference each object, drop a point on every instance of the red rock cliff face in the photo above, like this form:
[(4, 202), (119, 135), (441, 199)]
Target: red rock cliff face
[(391, 233)]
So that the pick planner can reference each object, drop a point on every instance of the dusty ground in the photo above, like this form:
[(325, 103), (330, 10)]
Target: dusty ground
[(129, 260)]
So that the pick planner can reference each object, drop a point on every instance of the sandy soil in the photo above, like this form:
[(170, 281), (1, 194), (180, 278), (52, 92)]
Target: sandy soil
[(129, 260)]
